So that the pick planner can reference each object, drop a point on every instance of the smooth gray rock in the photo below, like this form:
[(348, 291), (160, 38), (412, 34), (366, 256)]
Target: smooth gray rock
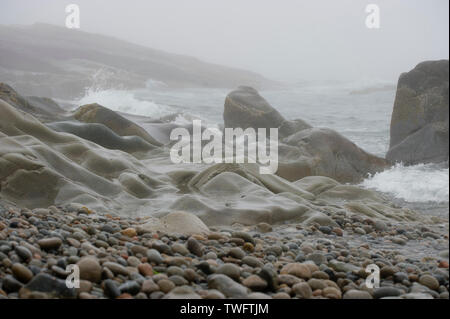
[(227, 286), (420, 119), (48, 284), (245, 108), (102, 135)]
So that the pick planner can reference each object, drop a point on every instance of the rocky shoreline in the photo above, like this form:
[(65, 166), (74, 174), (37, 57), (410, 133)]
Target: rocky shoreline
[(118, 258), (92, 188)]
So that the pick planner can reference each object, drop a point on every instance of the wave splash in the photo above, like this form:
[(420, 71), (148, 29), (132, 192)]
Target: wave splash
[(414, 184), (126, 102)]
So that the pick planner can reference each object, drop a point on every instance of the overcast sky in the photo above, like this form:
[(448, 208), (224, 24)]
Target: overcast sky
[(282, 39)]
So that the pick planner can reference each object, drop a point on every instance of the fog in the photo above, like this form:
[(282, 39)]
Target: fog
[(283, 40)]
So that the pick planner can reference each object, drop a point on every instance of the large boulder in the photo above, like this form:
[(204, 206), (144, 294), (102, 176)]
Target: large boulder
[(324, 152), (303, 150), (95, 113), (43, 108), (245, 108), (420, 119)]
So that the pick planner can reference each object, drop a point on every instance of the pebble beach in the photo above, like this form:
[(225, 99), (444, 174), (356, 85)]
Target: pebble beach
[(116, 260)]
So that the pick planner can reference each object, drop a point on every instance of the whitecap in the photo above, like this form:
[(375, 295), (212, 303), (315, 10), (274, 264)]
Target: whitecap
[(414, 184)]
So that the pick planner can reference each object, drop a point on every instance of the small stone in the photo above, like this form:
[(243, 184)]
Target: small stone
[(269, 275), (180, 249), (252, 262), (255, 283), (23, 253), (317, 284), (129, 232), (190, 275), (380, 225), (320, 275), (429, 281), (332, 293), (325, 229), (383, 292), (213, 294), (302, 290), (149, 286), (10, 284), (387, 271), (194, 247), (50, 243), (298, 270), (244, 236), (281, 295), (22, 273), (400, 277), (131, 287), (399, 241), (90, 269), (154, 256), (237, 253), (248, 247), (288, 280), (133, 261), (166, 285), (274, 250), (338, 231), (264, 227), (183, 292), (48, 284), (227, 286), (230, 270), (85, 286), (178, 280), (116, 268), (75, 243), (357, 294), (317, 258), (145, 270)]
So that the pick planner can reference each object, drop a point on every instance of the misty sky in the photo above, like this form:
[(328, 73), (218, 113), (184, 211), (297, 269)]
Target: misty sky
[(283, 39)]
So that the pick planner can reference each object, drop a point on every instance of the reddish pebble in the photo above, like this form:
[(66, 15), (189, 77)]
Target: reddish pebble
[(443, 264), (145, 270)]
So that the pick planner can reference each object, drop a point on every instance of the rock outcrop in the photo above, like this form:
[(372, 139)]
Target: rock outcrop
[(43, 108), (303, 150), (102, 135), (325, 152), (245, 107), (96, 113), (420, 119)]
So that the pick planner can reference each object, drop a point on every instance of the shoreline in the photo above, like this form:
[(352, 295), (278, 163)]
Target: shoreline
[(118, 260)]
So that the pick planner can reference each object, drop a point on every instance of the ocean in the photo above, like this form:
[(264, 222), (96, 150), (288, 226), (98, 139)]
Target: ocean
[(360, 111)]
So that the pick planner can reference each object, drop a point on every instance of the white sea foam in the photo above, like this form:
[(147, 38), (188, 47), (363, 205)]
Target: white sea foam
[(417, 183), (126, 102)]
